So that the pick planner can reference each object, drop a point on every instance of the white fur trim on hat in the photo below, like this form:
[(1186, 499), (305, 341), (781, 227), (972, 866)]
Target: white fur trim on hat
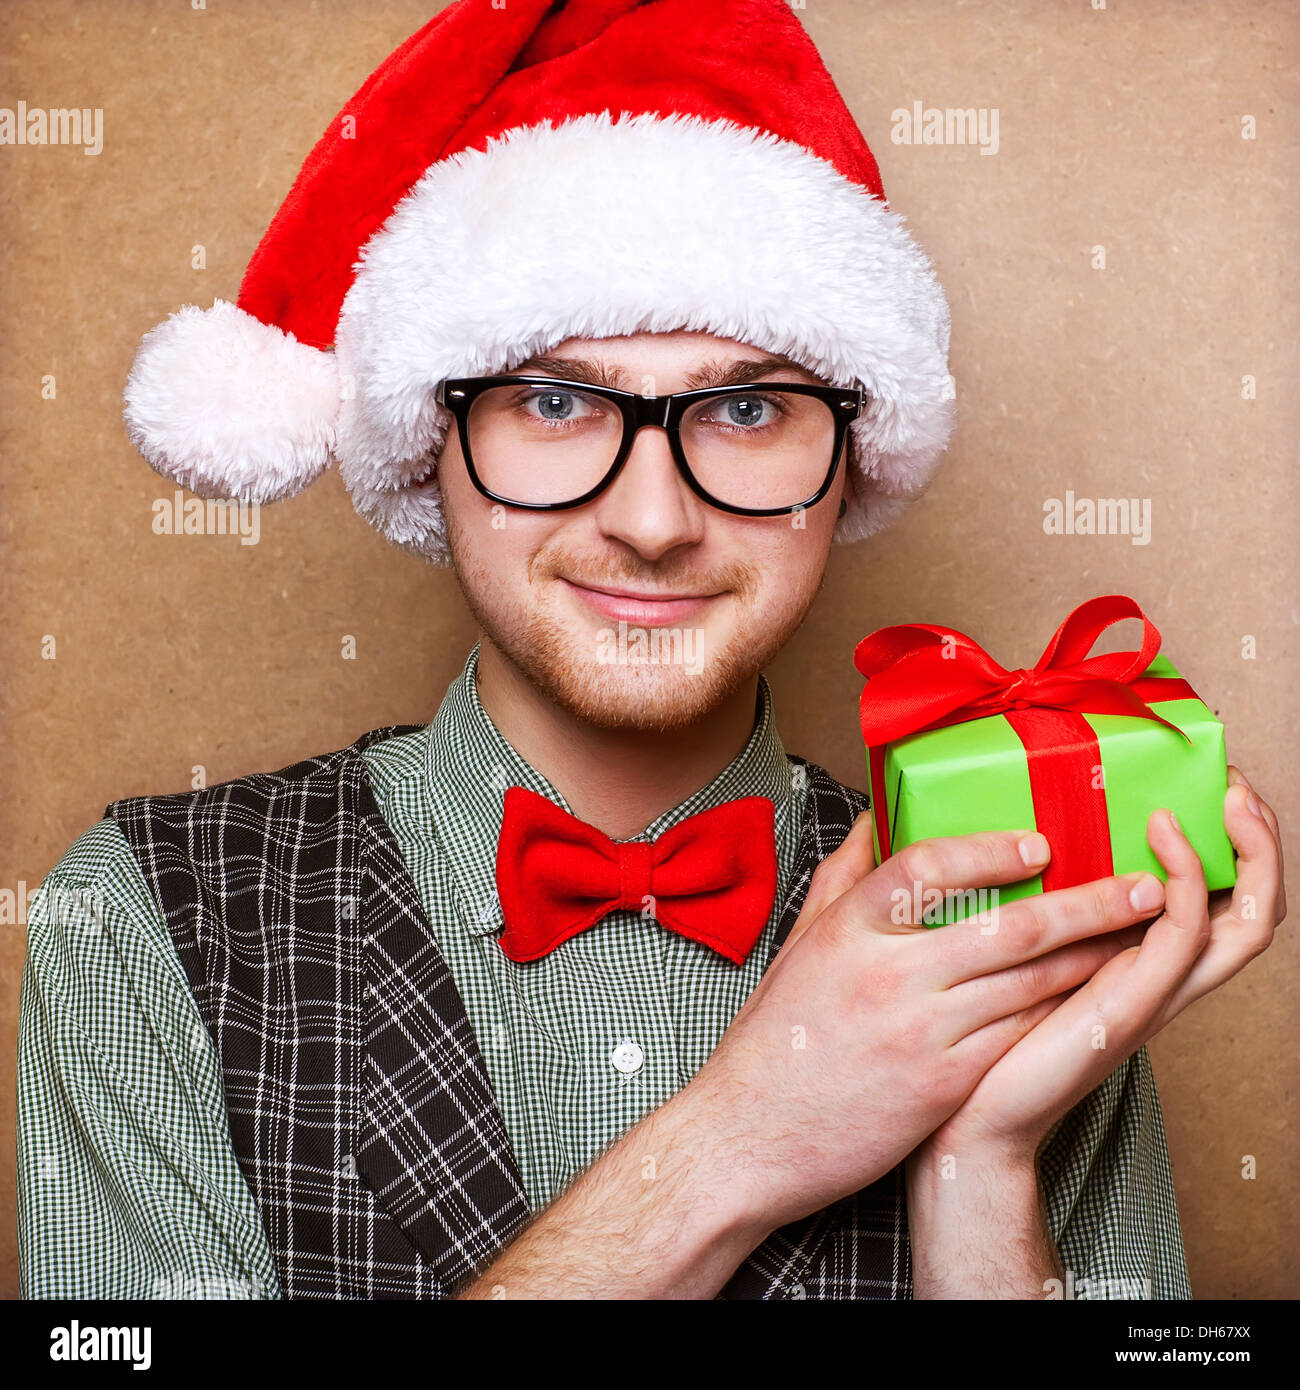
[(230, 406), (602, 226)]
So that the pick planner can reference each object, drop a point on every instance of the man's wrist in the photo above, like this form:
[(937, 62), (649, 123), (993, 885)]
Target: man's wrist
[(978, 1223), (717, 1204), (658, 1215)]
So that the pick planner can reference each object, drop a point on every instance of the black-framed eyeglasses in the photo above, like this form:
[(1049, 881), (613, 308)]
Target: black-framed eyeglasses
[(547, 444)]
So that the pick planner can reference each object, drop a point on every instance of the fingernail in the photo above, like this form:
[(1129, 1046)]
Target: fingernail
[(1146, 893), (1234, 775), (1253, 802), (1034, 849), (1173, 820)]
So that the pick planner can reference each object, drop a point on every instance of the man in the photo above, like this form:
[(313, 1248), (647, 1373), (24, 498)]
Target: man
[(588, 989)]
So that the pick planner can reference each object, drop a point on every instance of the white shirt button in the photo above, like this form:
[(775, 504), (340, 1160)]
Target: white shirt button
[(627, 1058)]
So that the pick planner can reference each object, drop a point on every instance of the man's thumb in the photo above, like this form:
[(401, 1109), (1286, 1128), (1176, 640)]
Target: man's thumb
[(846, 865)]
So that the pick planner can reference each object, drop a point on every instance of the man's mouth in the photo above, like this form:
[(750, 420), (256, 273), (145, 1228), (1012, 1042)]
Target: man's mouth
[(645, 608)]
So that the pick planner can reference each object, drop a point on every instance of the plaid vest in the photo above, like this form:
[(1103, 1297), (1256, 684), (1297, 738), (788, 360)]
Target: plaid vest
[(360, 1108)]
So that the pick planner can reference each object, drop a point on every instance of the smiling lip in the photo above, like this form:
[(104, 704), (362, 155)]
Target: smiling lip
[(643, 609)]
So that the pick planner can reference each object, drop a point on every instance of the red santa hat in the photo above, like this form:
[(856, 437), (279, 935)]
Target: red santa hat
[(512, 177)]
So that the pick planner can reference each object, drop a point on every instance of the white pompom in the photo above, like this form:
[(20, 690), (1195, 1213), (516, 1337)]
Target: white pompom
[(230, 406)]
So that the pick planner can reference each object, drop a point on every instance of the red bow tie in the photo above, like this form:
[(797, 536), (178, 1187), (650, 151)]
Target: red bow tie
[(711, 878)]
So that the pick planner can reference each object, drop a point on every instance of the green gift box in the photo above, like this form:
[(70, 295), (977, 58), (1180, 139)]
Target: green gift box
[(1088, 778)]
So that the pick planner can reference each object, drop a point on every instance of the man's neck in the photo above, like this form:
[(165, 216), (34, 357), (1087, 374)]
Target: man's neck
[(618, 780)]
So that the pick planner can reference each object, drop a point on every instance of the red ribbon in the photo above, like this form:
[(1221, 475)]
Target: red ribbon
[(921, 676)]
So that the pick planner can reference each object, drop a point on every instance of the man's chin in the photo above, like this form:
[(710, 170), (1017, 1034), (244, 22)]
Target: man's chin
[(614, 676)]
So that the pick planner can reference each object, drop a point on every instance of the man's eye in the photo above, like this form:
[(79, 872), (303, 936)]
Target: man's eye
[(553, 404), (747, 410), (744, 411)]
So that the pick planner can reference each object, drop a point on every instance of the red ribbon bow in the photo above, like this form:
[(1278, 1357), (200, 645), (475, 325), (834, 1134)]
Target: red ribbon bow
[(711, 878), (921, 676)]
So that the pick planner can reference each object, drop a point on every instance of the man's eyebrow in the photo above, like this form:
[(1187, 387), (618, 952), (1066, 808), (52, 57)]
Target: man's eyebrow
[(738, 372), (584, 369), (744, 370)]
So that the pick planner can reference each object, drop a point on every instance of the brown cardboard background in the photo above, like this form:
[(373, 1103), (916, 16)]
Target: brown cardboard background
[(1118, 127)]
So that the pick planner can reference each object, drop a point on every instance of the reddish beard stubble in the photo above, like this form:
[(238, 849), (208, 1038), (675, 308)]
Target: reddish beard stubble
[(536, 632)]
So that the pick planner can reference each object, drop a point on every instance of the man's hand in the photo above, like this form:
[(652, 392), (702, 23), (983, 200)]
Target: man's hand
[(974, 1203), (1199, 942), (868, 1033), (856, 1044), (869, 1030)]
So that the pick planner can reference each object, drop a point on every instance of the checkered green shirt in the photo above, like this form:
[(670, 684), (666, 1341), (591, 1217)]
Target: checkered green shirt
[(126, 1168)]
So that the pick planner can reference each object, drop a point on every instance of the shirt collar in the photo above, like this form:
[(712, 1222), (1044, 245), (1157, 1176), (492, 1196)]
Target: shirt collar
[(469, 764)]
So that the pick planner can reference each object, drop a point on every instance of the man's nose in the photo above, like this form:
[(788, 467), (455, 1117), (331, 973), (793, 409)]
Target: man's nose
[(650, 506)]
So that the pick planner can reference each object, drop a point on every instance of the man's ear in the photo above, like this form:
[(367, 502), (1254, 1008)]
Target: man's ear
[(850, 457), (846, 490)]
